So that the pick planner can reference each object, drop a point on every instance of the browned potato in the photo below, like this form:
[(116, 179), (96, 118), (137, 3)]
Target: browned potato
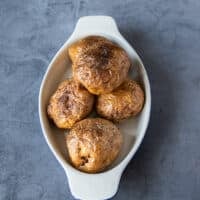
[(126, 101), (93, 144), (69, 104), (99, 64)]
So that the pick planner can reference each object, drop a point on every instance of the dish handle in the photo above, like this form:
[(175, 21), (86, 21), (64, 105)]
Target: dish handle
[(96, 25), (94, 186)]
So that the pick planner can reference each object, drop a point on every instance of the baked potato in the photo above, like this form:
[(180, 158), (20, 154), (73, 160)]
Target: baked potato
[(93, 144), (98, 64), (70, 103), (126, 101)]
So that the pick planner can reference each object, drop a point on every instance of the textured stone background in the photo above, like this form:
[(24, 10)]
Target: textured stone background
[(166, 34)]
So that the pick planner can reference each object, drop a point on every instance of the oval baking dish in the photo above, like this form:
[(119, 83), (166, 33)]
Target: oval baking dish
[(105, 184)]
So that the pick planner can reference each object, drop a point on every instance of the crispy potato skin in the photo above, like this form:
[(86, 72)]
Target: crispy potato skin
[(99, 64), (126, 101), (93, 144), (70, 103)]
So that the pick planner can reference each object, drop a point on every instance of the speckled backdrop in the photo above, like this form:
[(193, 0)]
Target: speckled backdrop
[(166, 34)]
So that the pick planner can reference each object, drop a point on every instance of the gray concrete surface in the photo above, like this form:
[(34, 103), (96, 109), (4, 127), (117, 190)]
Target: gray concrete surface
[(166, 34)]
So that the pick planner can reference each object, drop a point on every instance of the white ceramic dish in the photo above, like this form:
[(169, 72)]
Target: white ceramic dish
[(102, 185)]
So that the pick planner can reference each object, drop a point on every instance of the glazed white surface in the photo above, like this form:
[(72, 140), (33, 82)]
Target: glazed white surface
[(102, 185)]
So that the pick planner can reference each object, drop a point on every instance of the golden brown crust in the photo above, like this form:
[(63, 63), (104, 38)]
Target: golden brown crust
[(69, 104), (99, 64), (93, 144), (126, 101)]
